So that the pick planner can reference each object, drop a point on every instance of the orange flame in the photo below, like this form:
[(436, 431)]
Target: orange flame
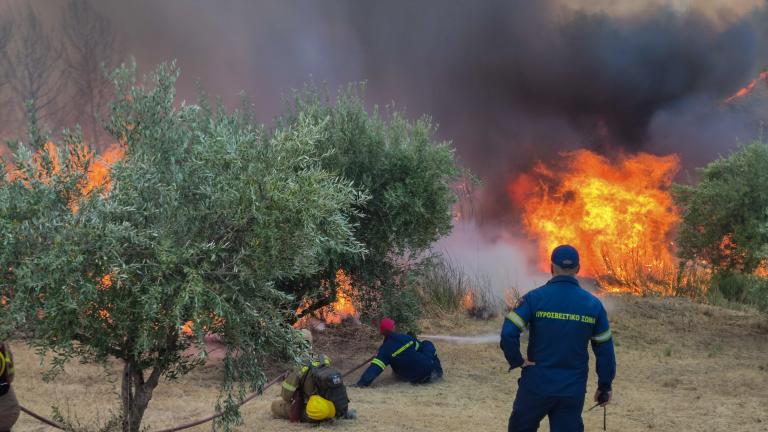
[(617, 214), (98, 172), (187, 328), (338, 311), (343, 307), (96, 176), (468, 301), (748, 89)]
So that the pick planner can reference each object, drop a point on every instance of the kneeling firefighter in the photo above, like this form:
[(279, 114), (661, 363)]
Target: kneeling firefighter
[(313, 392), (412, 360)]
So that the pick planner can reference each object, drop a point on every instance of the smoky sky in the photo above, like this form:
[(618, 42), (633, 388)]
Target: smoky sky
[(507, 81)]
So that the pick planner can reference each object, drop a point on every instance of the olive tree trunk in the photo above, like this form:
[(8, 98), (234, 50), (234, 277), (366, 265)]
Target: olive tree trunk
[(136, 394)]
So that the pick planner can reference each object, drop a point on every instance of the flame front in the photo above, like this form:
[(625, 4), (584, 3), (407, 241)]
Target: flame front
[(618, 215), (748, 89), (343, 307)]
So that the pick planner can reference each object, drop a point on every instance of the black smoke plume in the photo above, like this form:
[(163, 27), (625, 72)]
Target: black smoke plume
[(508, 81)]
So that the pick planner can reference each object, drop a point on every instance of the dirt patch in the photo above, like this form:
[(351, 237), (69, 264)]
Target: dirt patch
[(681, 367)]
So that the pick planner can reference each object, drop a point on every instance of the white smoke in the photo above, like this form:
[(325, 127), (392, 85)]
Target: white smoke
[(493, 256)]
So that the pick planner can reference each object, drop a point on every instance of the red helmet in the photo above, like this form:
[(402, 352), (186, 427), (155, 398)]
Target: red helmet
[(387, 326)]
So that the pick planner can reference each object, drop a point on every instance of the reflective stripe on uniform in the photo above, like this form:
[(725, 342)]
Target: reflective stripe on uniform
[(304, 369), (602, 337), (322, 360), (417, 345), (288, 387), (516, 320), (379, 363), (2, 363), (402, 348)]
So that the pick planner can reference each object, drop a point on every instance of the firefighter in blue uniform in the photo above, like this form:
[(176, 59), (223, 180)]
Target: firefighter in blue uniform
[(562, 319), (412, 360)]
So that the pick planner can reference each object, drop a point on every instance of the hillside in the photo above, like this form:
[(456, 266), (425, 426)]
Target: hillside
[(681, 367)]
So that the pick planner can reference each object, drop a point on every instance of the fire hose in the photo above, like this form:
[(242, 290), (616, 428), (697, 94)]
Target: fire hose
[(252, 396)]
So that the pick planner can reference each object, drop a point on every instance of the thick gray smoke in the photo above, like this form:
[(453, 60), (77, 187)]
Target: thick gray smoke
[(509, 81), (506, 80)]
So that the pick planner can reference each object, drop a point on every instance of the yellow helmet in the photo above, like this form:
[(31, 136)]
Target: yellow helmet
[(319, 408)]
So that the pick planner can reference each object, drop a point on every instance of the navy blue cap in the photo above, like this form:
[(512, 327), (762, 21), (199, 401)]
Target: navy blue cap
[(566, 257)]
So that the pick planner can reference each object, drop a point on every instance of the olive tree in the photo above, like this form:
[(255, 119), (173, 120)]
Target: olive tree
[(204, 215), (408, 175), (725, 214)]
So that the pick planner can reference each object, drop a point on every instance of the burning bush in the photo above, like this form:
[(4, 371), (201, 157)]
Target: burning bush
[(724, 219), (346, 300), (619, 215), (481, 303), (444, 286), (407, 177), (725, 224)]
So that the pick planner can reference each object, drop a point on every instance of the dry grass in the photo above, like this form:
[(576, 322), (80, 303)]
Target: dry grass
[(682, 367)]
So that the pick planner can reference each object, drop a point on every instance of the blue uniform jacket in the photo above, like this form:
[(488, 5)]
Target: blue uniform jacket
[(402, 352), (562, 318)]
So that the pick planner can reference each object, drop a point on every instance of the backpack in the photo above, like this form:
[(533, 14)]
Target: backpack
[(330, 385)]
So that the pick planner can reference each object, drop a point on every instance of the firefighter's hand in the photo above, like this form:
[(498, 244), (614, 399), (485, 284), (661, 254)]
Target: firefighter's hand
[(527, 363), (603, 398)]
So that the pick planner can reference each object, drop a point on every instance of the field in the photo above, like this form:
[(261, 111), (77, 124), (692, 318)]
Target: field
[(681, 367)]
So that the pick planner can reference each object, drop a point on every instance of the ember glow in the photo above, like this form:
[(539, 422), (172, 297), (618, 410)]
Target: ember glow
[(618, 214)]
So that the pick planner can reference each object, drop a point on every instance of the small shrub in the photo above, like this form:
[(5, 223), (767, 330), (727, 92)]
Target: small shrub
[(740, 288), (441, 284), (480, 301), (401, 303), (391, 294), (691, 280), (511, 296), (714, 350), (443, 287)]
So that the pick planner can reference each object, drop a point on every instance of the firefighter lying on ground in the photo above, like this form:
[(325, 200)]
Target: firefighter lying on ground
[(313, 392), (412, 360), (9, 406)]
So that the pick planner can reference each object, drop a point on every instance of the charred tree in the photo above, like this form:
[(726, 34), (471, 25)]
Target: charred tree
[(6, 33), (32, 68), (93, 48)]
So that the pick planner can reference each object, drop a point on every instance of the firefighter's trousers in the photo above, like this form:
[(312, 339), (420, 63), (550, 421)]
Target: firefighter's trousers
[(529, 409)]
